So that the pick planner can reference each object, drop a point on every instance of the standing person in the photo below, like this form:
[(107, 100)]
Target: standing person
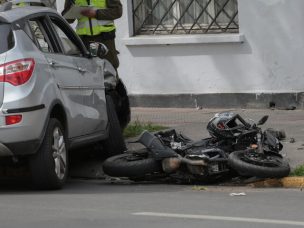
[(97, 25)]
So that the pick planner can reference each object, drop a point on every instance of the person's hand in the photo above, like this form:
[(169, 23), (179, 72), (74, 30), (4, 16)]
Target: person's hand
[(91, 13)]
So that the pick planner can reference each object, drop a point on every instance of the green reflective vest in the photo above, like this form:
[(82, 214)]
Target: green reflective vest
[(91, 26), (22, 4)]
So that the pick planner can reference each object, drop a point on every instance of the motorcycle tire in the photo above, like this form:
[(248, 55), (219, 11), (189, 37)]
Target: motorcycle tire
[(259, 165), (132, 165)]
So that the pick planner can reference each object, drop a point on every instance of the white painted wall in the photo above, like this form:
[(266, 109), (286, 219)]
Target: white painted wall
[(270, 60)]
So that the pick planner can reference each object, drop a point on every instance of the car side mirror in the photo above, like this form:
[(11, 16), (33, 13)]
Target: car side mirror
[(98, 49)]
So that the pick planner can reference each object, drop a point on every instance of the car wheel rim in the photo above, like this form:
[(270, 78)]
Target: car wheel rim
[(59, 153)]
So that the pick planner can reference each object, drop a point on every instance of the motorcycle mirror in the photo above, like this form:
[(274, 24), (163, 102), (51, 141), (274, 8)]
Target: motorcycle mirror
[(262, 120)]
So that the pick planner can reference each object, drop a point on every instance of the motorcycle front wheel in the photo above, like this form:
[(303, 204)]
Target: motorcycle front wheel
[(132, 165), (251, 163)]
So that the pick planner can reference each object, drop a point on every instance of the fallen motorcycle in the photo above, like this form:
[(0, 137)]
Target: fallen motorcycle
[(234, 145)]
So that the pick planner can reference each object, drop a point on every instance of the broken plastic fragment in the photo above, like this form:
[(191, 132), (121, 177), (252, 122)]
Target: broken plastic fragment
[(238, 194)]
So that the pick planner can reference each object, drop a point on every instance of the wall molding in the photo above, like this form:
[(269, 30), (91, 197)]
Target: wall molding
[(220, 100)]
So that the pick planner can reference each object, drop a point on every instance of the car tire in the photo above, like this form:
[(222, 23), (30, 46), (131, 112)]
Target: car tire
[(49, 166), (122, 104), (115, 143)]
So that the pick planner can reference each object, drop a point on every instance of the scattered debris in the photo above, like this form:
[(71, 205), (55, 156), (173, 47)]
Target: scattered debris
[(272, 106), (292, 140), (287, 182), (291, 107), (268, 183), (238, 194), (252, 180), (199, 188)]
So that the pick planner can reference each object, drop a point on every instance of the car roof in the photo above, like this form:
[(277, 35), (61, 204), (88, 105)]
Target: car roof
[(18, 13)]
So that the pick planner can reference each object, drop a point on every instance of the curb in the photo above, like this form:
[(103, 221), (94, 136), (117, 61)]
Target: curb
[(286, 182)]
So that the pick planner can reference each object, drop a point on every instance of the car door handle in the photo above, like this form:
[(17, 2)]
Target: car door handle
[(55, 64), (82, 70)]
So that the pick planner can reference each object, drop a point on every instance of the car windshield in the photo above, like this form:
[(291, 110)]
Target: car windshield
[(6, 37)]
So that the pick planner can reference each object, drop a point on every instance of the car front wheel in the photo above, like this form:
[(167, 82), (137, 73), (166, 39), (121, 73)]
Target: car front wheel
[(115, 143), (49, 166)]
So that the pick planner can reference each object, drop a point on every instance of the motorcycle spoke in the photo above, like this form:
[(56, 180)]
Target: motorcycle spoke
[(275, 160), (262, 159)]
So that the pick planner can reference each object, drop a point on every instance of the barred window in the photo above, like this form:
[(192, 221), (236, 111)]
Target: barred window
[(185, 16)]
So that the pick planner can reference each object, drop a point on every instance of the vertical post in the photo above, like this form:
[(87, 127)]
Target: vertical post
[(130, 17)]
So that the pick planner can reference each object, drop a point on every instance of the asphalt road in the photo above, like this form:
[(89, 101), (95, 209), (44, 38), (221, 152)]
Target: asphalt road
[(106, 204)]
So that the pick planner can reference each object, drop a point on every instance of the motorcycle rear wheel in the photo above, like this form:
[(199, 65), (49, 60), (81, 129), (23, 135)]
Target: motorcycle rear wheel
[(132, 165), (250, 163)]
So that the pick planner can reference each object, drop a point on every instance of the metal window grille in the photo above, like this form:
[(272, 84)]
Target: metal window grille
[(185, 16)]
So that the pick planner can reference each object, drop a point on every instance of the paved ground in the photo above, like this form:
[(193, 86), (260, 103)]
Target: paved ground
[(102, 204), (120, 203), (193, 122)]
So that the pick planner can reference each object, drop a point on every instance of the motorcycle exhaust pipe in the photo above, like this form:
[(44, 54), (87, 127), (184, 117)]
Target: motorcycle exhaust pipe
[(194, 162), (171, 165)]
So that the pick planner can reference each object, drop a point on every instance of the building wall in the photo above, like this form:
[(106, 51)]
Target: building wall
[(263, 63)]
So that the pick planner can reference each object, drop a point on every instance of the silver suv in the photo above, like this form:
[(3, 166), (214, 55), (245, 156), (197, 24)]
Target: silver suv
[(54, 94)]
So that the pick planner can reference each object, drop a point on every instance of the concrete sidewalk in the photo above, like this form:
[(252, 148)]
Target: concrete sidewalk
[(193, 122)]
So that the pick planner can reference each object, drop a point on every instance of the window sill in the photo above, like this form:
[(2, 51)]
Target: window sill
[(183, 39)]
